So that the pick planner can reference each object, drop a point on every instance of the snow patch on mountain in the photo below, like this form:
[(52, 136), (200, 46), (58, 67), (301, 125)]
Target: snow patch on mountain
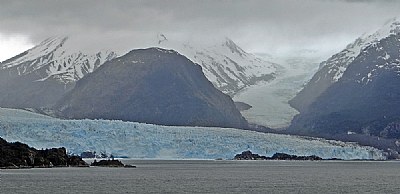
[(138, 140)]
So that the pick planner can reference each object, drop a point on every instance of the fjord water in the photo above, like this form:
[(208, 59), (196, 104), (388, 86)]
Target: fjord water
[(190, 176)]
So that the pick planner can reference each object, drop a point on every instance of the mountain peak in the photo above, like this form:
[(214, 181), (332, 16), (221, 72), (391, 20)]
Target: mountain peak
[(233, 47), (54, 40), (44, 48), (56, 57)]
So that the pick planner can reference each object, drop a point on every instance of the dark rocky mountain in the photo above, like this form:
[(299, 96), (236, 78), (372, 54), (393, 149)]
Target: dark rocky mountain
[(365, 100), (151, 86)]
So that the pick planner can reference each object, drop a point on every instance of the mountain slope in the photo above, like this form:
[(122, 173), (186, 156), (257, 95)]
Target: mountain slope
[(226, 65), (151, 86), (332, 70)]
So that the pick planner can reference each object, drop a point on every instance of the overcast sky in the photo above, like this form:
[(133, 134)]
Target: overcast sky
[(264, 26)]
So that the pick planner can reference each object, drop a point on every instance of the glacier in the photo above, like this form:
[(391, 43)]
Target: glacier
[(139, 140), (270, 100)]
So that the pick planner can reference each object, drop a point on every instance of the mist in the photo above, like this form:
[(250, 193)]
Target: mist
[(275, 27)]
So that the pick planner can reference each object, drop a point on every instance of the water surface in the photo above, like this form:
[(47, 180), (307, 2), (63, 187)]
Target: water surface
[(183, 176)]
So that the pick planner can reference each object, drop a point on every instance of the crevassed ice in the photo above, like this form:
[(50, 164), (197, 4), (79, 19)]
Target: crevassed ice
[(138, 140)]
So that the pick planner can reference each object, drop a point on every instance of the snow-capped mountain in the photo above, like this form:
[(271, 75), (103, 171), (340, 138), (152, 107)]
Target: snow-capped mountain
[(138, 140), (338, 63), (332, 69), (225, 64), (56, 58), (364, 100), (40, 76)]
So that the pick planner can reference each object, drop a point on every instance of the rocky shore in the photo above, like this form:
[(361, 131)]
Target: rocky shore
[(18, 155)]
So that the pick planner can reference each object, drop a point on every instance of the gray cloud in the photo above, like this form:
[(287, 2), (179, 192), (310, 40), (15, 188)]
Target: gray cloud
[(274, 26)]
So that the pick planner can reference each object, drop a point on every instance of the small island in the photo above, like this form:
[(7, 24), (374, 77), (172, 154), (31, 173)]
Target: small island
[(110, 163), (248, 155)]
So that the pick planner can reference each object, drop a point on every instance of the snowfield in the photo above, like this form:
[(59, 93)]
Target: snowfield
[(138, 140)]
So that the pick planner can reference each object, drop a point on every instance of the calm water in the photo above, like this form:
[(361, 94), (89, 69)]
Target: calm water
[(153, 176)]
